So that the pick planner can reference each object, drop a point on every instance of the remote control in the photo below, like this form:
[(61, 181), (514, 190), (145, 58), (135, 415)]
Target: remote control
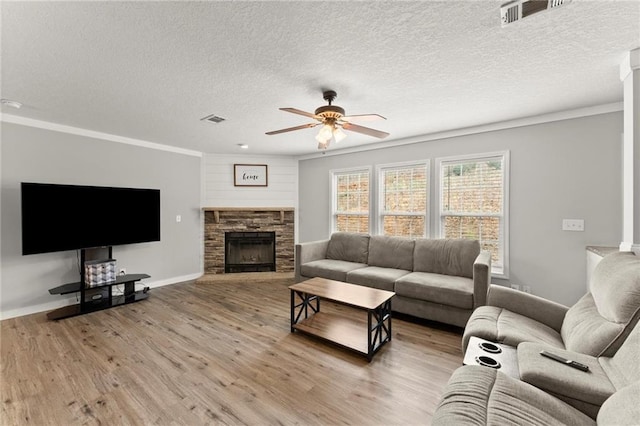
[(570, 363)]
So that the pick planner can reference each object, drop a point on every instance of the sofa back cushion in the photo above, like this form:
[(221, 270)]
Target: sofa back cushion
[(447, 256), (391, 252), (602, 319), (615, 285), (348, 246)]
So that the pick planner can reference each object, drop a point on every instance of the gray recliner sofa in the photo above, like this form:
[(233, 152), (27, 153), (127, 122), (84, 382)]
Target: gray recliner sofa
[(550, 392), (596, 325), (437, 279)]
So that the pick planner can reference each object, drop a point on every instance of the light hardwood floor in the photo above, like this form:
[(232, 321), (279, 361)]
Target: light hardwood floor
[(215, 353)]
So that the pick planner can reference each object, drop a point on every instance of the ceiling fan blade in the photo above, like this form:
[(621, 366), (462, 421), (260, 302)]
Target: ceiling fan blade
[(300, 112), (291, 129), (363, 117), (365, 130)]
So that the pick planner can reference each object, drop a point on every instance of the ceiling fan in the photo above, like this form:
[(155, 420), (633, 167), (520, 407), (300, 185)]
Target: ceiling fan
[(333, 120)]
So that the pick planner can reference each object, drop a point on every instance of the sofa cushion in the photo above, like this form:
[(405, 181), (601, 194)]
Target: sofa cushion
[(446, 256), (584, 330), (483, 396), (391, 252), (437, 288), (329, 268), (348, 246), (503, 326), (376, 277), (576, 387), (615, 286), (601, 320)]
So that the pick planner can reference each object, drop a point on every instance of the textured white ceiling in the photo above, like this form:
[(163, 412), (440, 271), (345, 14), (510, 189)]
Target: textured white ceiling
[(151, 70)]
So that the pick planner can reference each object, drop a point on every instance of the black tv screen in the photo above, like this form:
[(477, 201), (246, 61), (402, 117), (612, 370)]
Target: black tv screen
[(70, 217)]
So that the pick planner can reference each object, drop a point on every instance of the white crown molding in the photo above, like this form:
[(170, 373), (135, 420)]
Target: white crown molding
[(491, 127), (30, 122)]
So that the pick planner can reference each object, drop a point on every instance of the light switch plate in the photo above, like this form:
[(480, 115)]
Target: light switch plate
[(573, 224)]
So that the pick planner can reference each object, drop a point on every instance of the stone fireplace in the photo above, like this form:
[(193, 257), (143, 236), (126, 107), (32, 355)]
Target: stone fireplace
[(255, 224)]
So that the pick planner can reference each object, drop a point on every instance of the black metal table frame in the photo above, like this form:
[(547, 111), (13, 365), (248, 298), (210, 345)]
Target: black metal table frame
[(378, 319)]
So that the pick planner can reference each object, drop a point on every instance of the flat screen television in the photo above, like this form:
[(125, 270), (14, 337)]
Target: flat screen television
[(71, 217)]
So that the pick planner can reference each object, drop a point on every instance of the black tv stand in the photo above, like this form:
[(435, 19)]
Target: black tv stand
[(99, 297)]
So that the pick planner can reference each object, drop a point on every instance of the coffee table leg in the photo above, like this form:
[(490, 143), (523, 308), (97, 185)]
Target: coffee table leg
[(293, 296), (370, 342), (304, 306), (381, 330)]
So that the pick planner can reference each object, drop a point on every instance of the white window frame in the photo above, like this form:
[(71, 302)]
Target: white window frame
[(334, 178), (504, 229), (380, 212)]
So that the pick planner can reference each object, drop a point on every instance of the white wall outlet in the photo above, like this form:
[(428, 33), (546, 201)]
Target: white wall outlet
[(573, 224), (178, 218), (515, 286), (123, 271), (526, 289)]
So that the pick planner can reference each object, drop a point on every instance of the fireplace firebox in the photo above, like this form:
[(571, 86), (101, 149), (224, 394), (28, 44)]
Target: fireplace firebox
[(249, 252)]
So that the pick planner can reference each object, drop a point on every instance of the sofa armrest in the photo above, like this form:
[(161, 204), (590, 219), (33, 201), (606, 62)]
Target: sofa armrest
[(542, 310), (581, 389), (481, 278), (308, 252)]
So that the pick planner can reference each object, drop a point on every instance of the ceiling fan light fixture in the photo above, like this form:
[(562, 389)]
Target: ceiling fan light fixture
[(333, 122), (338, 134), (326, 132)]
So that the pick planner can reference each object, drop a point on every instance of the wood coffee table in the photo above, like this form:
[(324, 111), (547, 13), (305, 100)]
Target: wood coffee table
[(347, 331)]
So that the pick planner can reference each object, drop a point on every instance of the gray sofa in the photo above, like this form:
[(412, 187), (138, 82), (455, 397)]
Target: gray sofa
[(550, 392), (442, 280), (596, 325), (601, 331), (478, 396)]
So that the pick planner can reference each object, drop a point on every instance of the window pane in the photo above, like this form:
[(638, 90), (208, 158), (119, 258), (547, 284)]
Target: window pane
[(352, 223), (472, 187), (391, 202), (342, 202), (472, 203), (404, 191), (351, 200), (407, 226)]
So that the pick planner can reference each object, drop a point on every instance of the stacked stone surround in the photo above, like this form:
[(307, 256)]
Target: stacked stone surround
[(275, 219)]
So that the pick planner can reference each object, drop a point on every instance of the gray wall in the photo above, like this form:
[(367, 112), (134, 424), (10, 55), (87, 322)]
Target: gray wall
[(37, 155), (565, 169)]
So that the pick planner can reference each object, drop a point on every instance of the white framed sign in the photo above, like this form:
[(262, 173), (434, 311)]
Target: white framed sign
[(250, 175)]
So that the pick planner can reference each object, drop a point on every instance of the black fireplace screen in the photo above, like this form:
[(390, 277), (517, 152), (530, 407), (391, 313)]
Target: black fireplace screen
[(249, 251)]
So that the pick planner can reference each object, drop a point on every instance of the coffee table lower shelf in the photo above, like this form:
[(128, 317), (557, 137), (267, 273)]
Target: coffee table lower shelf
[(346, 332)]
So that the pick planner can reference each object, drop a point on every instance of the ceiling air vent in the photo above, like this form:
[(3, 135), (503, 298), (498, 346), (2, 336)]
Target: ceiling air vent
[(213, 119), (518, 9)]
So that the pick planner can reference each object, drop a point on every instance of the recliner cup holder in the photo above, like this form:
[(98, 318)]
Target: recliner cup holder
[(490, 347), (486, 361)]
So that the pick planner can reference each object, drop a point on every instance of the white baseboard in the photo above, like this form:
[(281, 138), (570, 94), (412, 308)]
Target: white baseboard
[(173, 280), (59, 303), (28, 310)]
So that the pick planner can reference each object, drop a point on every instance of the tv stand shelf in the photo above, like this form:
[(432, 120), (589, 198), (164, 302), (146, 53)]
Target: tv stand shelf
[(105, 300), (75, 287)]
